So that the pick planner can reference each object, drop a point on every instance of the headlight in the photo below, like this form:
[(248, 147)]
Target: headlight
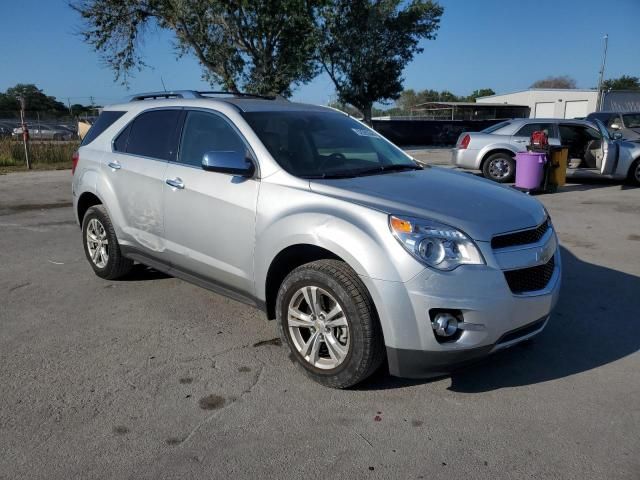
[(435, 244)]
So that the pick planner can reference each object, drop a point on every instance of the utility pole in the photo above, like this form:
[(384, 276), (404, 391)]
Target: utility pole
[(604, 61), (25, 131)]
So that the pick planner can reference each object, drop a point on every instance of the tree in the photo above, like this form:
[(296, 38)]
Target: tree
[(364, 46), (35, 99), (563, 81), (625, 82), (261, 46), (482, 92)]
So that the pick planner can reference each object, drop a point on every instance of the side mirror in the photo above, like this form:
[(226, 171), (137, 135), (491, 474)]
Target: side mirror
[(616, 135), (232, 163)]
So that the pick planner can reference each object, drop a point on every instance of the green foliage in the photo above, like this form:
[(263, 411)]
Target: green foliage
[(409, 98), (563, 81), (36, 100), (261, 46), (481, 92), (364, 46), (625, 82)]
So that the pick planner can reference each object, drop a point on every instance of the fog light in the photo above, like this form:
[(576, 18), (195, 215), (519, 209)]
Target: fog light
[(445, 324)]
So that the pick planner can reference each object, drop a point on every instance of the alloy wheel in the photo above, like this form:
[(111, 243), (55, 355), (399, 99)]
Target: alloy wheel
[(318, 327), (499, 168), (97, 243)]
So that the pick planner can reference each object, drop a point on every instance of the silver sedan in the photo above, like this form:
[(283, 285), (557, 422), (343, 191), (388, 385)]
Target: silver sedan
[(592, 150)]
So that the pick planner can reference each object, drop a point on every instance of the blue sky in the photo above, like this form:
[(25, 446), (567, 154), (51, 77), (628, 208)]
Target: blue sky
[(501, 44)]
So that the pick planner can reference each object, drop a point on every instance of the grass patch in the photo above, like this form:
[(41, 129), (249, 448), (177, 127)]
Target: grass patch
[(44, 155)]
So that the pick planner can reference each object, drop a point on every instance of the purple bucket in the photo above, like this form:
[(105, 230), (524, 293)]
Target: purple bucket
[(529, 169)]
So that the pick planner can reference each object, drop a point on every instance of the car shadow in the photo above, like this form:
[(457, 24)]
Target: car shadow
[(576, 184), (141, 272), (595, 323)]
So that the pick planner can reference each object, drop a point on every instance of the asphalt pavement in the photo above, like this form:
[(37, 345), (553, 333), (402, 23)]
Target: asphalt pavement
[(152, 377)]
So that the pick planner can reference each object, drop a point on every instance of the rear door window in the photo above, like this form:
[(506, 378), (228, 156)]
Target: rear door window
[(104, 121), (529, 128), (154, 134)]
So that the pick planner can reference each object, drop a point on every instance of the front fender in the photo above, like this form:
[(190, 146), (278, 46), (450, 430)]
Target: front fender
[(357, 234)]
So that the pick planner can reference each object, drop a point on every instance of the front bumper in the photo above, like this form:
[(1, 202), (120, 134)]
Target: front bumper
[(424, 364), (494, 316)]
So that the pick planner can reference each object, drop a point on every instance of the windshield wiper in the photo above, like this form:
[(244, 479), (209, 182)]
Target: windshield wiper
[(389, 168), (330, 175), (364, 171)]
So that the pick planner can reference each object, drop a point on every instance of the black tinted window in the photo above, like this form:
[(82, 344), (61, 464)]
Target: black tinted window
[(120, 145), (153, 134), (104, 121), (206, 132), (528, 129)]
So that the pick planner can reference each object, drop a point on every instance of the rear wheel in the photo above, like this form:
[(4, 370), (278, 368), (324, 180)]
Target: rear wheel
[(499, 167), (101, 245), (327, 319), (634, 173)]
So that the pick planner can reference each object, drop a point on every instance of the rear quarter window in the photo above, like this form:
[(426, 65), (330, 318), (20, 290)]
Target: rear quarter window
[(104, 121)]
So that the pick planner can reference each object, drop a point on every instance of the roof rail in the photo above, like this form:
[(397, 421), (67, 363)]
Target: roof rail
[(237, 94), (199, 94), (171, 94)]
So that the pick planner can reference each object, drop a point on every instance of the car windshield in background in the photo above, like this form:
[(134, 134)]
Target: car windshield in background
[(632, 120), (495, 127), (326, 145)]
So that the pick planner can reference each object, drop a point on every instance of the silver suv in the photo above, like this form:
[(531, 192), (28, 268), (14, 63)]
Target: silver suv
[(360, 254)]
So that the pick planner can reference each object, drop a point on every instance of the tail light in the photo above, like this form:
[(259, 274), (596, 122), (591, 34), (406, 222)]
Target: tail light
[(74, 161), (464, 143)]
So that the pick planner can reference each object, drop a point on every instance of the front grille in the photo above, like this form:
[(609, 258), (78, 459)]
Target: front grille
[(530, 279), (520, 238)]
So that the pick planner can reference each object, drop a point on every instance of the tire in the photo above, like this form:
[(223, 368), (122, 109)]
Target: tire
[(101, 245), (633, 177), (499, 167), (344, 355), (57, 136)]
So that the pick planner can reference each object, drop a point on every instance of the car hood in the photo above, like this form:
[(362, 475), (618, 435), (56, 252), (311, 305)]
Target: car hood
[(477, 206)]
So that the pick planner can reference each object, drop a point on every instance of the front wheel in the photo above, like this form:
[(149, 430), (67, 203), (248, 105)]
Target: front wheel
[(499, 167), (634, 173), (327, 319), (101, 245)]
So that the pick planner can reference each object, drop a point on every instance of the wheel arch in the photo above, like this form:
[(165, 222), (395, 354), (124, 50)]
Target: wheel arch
[(85, 202), (493, 151), (284, 263)]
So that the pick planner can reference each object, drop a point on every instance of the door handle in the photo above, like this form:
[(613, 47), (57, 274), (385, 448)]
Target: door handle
[(175, 183), (521, 141), (115, 165)]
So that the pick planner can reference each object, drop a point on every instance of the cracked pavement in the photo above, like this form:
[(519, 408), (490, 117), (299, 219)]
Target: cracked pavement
[(151, 377)]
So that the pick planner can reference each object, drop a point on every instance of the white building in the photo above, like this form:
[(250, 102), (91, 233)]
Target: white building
[(550, 102)]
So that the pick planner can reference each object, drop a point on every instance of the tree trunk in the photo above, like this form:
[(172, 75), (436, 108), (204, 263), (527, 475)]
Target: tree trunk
[(366, 111)]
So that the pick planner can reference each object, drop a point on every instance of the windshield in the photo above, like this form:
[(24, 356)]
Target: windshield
[(325, 144), (495, 127), (632, 120)]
